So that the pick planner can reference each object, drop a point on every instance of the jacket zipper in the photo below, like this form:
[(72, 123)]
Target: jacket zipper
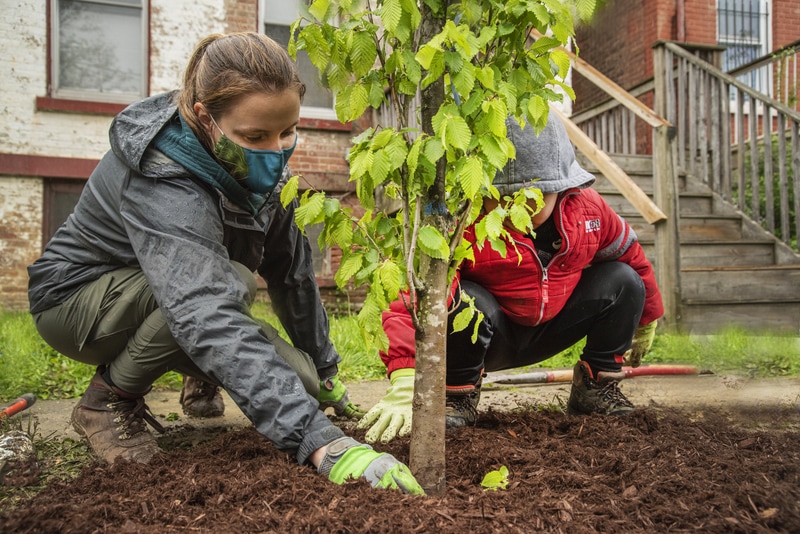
[(545, 279)]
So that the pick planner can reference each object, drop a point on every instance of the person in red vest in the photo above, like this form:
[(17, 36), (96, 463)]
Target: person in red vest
[(580, 274)]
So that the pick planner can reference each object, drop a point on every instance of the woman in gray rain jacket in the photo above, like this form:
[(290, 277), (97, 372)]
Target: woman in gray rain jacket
[(153, 271)]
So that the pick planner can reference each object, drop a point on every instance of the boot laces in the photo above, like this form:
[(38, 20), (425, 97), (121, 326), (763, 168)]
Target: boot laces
[(462, 404), (611, 393), (131, 415)]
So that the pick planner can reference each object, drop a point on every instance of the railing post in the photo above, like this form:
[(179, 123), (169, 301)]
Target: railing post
[(665, 193)]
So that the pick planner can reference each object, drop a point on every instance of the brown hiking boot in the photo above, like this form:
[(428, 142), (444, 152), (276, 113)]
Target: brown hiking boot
[(201, 399), (461, 405), (590, 395), (113, 422)]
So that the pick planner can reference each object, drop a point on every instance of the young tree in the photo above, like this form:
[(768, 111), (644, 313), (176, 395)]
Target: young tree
[(470, 64)]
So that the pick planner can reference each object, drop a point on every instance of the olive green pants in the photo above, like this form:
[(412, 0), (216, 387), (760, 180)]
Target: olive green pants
[(115, 321)]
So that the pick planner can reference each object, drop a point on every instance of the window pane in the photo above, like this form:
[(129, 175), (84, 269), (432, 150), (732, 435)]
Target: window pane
[(61, 196), (100, 47), (317, 95)]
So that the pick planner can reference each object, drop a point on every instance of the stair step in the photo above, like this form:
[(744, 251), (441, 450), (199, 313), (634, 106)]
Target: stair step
[(761, 317), (690, 203), (693, 228), (721, 253), (730, 285)]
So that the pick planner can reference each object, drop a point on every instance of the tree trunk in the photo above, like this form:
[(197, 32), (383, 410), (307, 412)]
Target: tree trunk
[(427, 452)]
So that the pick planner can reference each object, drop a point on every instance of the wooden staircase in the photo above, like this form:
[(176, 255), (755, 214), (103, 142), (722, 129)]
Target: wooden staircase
[(733, 273)]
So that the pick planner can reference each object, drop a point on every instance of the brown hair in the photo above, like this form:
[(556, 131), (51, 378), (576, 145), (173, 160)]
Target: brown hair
[(224, 68)]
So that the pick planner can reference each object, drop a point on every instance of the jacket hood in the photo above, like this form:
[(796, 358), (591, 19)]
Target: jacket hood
[(137, 125), (545, 161)]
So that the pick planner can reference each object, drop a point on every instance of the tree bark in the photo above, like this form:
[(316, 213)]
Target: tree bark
[(427, 451)]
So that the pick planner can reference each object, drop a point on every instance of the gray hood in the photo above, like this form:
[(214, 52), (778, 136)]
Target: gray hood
[(545, 161)]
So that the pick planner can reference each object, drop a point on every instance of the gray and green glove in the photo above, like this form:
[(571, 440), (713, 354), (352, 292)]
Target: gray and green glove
[(391, 417), (642, 342), (347, 458), (333, 394)]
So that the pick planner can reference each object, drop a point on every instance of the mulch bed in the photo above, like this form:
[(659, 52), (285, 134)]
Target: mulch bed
[(648, 472)]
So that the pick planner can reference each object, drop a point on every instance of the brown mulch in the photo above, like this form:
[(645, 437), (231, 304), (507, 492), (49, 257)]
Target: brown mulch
[(648, 472)]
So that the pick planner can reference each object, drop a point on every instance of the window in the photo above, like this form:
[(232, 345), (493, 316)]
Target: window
[(743, 27), (277, 17), (60, 198), (99, 50)]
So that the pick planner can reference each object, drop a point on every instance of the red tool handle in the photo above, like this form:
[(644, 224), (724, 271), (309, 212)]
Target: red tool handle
[(22, 403)]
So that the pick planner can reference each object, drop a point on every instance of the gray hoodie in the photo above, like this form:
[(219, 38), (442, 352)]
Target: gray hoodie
[(182, 228)]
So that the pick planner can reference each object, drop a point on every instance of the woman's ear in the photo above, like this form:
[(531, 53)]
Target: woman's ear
[(203, 116)]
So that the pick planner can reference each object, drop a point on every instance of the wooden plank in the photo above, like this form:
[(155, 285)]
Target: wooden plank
[(769, 193), (726, 189), (643, 204), (702, 125), (682, 113), (715, 180), (766, 284), (740, 134), (710, 318), (796, 176), (753, 120), (783, 181), (665, 192)]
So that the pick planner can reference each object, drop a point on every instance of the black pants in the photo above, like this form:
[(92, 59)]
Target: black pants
[(605, 308)]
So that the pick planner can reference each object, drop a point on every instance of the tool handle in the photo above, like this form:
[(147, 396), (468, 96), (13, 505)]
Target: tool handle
[(21, 403)]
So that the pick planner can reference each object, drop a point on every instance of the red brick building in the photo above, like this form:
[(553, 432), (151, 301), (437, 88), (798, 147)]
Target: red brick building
[(618, 42), (69, 66)]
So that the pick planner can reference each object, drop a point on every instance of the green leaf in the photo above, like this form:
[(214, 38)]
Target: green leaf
[(390, 276), (470, 176), (390, 14), (520, 217), (318, 48), (362, 53), (462, 319), (494, 480), (311, 211), (319, 8), (289, 191), (348, 267), (432, 243), (561, 59)]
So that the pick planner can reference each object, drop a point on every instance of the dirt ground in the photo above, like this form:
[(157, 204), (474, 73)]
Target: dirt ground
[(702, 453)]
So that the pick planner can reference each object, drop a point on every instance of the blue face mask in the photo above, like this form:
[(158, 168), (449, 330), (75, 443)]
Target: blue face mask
[(258, 170)]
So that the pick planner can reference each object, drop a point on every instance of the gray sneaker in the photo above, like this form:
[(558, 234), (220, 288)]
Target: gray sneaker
[(114, 423), (601, 394)]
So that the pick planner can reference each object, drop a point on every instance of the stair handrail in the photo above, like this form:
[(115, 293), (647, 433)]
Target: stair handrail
[(715, 136)]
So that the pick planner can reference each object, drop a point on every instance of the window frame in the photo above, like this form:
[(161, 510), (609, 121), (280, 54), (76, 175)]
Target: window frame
[(56, 94), (306, 112), (764, 42)]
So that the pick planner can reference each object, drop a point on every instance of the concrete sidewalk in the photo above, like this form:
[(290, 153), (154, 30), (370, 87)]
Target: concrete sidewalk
[(685, 392)]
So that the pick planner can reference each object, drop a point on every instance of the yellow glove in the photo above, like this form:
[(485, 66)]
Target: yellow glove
[(642, 342), (392, 415)]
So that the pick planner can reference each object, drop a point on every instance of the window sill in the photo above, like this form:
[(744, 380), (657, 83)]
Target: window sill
[(324, 124), (45, 103)]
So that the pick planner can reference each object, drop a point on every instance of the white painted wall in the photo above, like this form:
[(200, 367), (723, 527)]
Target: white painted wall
[(176, 27)]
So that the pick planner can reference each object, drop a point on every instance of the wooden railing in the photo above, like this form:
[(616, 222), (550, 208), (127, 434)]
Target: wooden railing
[(741, 143)]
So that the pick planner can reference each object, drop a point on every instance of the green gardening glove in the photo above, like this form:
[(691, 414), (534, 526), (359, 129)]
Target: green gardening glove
[(642, 342), (347, 458), (333, 394), (391, 417)]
